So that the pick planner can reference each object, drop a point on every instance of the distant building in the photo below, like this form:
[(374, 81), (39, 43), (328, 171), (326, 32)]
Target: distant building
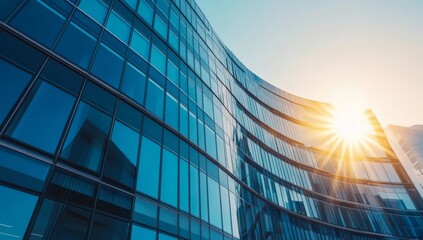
[(407, 142)]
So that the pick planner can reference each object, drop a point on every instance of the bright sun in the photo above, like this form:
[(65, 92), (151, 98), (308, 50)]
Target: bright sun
[(351, 125)]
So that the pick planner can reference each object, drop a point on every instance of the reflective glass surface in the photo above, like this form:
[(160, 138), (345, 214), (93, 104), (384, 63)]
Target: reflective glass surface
[(16, 209), (86, 141), (149, 168), (121, 159), (12, 83), (41, 120)]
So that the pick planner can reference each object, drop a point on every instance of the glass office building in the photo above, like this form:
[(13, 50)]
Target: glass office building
[(407, 143), (130, 119)]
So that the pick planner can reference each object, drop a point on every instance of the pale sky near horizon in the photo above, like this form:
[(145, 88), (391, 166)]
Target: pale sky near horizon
[(336, 51)]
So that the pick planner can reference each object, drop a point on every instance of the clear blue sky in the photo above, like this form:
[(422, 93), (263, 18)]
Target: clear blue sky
[(366, 51)]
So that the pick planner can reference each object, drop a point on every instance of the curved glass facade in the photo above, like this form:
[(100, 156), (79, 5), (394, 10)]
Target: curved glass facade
[(130, 119)]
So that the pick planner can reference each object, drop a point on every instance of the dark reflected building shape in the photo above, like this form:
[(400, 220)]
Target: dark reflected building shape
[(130, 119)]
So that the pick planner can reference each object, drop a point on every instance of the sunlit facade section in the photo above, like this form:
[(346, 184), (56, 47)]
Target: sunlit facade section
[(130, 119), (407, 142)]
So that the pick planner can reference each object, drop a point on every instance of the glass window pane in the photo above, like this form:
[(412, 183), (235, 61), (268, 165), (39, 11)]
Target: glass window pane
[(210, 142), (140, 44), (158, 59), (166, 237), (134, 83), (183, 121), (42, 119), (172, 111), (145, 212), (114, 201), (108, 65), (39, 21), (118, 26), (132, 3), (146, 12), (169, 182), (87, 137), (142, 233), (215, 215), (149, 168), (22, 170), (96, 9), (109, 228), (16, 210), (12, 82), (155, 99), (160, 26), (192, 128), (208, 106), (173, 72), (77, 45), (226, 213), (168, 220), (234, 214), (63, 219), (204, 197), (183, 185), (70, 187), (194, 199), (122, 154)]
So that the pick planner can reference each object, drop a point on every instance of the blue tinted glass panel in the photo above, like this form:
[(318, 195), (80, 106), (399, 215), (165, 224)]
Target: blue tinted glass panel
[(183, 121), (107, 228), (183, 185), (192, 128), (122, 154), (96, 9), (140, 44), (8, 7), (173, 40), (208, 106), (158, 60), (234, 214), (201, 137), (65, 227), (134, 83), (155, 99), (87, 137), (203, 197), (16, 210), (42, 119), (22, 170), (172, 111), (39, 21), (118, 26), (142, 233), (215, 214), (146, 12), (149, 168), (210, 142), (108, 65), (12, 82), (169, 183), (173, 72), (132, 3), (194, 198), (166, 237), (160, 26), (226, 213), (145, 212), (77, 45)]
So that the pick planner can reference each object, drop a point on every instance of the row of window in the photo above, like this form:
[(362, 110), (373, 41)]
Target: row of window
[(89, 112)]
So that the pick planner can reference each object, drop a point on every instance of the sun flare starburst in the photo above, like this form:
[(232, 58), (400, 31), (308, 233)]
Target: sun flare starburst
[(351, 126)]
